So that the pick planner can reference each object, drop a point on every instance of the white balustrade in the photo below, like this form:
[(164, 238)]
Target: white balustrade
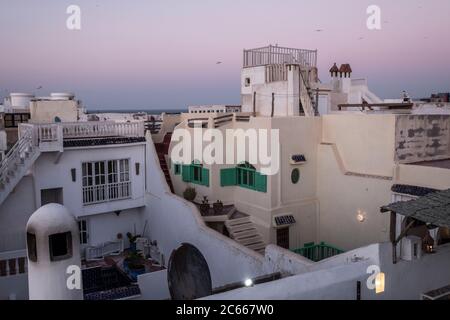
[(103, 129), (106, 192), (103, 250), (13, 263)]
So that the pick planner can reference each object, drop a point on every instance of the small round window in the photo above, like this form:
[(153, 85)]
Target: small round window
[(295, 175)]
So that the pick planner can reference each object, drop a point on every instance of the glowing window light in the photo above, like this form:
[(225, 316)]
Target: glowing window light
[(379, 283)]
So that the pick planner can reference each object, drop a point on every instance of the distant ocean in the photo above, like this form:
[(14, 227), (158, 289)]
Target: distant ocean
[(148, 111)]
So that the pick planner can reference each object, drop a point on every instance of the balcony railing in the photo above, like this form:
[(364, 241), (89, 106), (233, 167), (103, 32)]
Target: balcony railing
[(279, 55), (106, 192), (53, 132), (102, 129), (105, 249), (13, 263), (317, 252)]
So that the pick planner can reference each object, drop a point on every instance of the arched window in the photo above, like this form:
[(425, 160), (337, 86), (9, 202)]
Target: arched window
[(57, 119)]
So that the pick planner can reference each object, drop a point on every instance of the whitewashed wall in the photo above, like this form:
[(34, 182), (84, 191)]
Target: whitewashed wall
[(174, 221)]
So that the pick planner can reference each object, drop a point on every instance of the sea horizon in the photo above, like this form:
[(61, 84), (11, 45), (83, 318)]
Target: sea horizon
[(148, 111)]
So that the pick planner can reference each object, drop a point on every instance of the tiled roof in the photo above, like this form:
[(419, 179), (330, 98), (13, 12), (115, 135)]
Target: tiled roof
[(433, 208), (345, 68), (101, 141), (412, 190), (334, 68)]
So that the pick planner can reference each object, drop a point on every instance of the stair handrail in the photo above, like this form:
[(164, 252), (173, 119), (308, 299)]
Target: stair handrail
[(306, 103), (20, 147)]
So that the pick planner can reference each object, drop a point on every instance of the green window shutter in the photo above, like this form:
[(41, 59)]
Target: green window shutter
[(186, 173), (228, 177), (205, 177), (260, 182)]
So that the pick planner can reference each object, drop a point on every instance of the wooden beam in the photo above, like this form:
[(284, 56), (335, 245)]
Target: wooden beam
[(273, 104), (404, 231), (392, 228), (254, 103)]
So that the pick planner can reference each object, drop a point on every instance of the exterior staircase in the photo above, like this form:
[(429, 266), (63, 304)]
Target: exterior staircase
[(307, 96), (244, 232), (162, 149), (17, 162)]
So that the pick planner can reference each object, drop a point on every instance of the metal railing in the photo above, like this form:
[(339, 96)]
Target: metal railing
[(104, 249), (279, 55), (317, 252), (106, 192)]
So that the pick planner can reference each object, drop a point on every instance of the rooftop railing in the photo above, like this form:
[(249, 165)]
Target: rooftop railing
[(279, 55), (102, 129), (54, 132), (318, 252)]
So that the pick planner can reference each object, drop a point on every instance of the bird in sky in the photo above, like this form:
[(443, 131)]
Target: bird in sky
[(319, 30), (219, 62), (40, 87)]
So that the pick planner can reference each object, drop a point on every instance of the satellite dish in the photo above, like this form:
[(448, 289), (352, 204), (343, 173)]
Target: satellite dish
[(188, 274)]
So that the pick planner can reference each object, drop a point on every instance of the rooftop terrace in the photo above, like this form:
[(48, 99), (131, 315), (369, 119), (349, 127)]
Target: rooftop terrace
[(279, 55), (79, 134)]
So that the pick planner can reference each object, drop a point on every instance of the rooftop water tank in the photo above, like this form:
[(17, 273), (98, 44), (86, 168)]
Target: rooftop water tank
[(20, 100), (62, 95)]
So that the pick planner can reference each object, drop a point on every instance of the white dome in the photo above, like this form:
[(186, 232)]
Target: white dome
[(50, 219), (53, 245)]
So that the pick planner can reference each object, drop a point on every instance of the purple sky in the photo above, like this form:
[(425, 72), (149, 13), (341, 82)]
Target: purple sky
[(162, 54)]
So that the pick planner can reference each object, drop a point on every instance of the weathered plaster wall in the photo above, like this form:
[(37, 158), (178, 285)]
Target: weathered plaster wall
[(422, 138), (47, 111)]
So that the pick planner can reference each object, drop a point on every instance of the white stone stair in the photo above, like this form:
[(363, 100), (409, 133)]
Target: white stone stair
[(245, 232), (16, 163)]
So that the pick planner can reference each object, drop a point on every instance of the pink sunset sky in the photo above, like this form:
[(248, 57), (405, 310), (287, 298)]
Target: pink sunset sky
[(162, 54)]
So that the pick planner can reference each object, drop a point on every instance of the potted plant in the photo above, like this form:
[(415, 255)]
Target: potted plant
[(133, 264), (132, 240), (204, 206), (218, 207), (189, 194)]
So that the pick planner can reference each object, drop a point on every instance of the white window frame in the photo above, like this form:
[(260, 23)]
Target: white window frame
[(101, 185), (84, 230)]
